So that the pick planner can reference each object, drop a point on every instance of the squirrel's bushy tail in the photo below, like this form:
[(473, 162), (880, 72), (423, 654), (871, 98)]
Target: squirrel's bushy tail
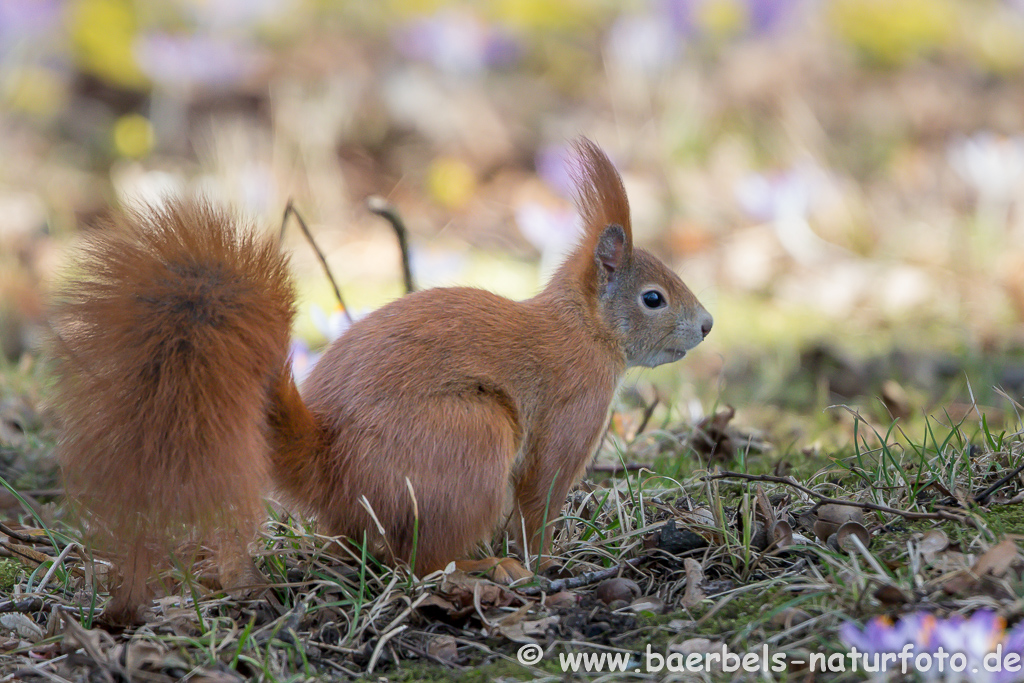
[(170, 331)]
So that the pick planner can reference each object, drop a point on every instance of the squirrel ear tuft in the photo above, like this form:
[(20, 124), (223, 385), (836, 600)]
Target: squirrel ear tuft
[(600, 195)]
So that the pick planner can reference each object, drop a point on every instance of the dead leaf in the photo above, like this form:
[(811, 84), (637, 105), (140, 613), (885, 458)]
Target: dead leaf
[(765, 507), (890, 595), (444, 648), (465, 591), (781, 534), (538, 626), (698, 645), (27, 553), (933, 543), (517, 616), (612, 590), (997, 559), (759, 539), (680, 624), (896, 399), (561, 600), (524, 631), (648, 603), (141, 657), (694, 592), (23, 627), (78, 637), (790, 617), (994, 562), (712, 438)]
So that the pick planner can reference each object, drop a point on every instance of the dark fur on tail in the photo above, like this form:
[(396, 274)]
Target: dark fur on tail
[(170, 331)]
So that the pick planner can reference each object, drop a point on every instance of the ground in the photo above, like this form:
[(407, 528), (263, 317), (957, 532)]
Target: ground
[(633, 580)]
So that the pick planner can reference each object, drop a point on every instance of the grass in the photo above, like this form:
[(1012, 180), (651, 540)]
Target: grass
[(334, 612)]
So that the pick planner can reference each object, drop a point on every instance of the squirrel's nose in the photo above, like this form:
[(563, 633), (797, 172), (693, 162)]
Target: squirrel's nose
[(706, 321)]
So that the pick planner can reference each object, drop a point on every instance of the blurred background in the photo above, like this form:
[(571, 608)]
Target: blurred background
[(837, 180)]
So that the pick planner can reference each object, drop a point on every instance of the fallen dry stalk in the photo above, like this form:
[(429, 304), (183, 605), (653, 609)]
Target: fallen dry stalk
[(583, 579), (826, 500)]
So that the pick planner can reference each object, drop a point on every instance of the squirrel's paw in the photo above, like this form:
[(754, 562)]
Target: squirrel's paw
[(240, 579), (504, 570)]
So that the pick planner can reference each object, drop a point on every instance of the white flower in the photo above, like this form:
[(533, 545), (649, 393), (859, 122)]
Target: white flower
[(991, 164), (553, 231)]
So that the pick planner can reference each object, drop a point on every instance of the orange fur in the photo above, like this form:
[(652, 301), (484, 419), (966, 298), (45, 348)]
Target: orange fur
[(167, 334), (428, 411)]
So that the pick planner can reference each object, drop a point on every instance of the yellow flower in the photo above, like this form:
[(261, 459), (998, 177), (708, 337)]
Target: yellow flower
[(451, 182), (891, 33), (722, 18), (37, 91), (133, 136), (541, 14), (996, 42), (102, 33)]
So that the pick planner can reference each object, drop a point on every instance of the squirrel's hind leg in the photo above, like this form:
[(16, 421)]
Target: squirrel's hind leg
[(128, 599), (238, 576), (460, 449)]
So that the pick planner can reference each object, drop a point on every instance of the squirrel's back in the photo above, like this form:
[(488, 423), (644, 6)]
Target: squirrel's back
[(169, 333)]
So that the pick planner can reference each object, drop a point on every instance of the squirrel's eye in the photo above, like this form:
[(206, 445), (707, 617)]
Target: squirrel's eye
[(652, 298)]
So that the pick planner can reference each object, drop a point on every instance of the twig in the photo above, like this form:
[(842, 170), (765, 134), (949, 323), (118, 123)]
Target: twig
[(434, 658), (615, 468), (43, 493), (53, 566), (825, 500), (23, 605), (983, 496), (648, 411), (380, 646), (385, 210), (7, 531), (583, 579), (290, 210), (20, 551)]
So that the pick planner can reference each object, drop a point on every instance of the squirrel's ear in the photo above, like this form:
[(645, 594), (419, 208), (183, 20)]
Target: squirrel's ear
[(611, 251)]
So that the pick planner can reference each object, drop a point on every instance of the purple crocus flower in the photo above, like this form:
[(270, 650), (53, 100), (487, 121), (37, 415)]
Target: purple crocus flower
[(785, 200), (878, 636), (458, 43), (643, 43), (302, 360), (974, 638), (184, 61), (972, 644), (555, 167), (678, 14), (781, 195), (25, 19), (1013, 643), (27, 24), (331, 325), (763, 16)]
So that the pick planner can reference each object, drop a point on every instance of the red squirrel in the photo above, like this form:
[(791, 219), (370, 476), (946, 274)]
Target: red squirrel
[(179, 410)]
